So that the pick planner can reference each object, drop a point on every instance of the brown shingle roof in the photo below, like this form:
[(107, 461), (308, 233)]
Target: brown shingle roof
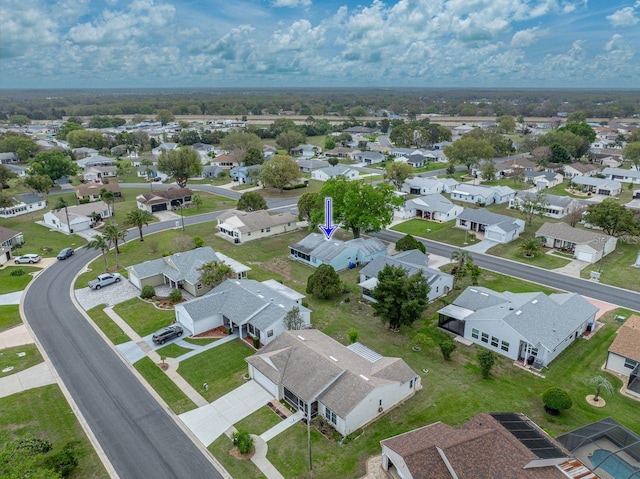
[(256, 220), (565, 232), (88, 189), (627, 341), (584, 167), (6, 234)]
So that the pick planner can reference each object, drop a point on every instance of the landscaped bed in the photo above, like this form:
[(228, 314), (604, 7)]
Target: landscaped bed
[(11, 282)]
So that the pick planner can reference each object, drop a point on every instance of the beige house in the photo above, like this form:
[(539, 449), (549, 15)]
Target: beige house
[(166, 200), (586, 245), (242, 226), (180, 270), (624, 354), (92, 191)]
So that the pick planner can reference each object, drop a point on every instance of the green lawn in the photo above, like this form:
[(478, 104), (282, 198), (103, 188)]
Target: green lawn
[(259, 422), (314, 187), (209, 203), (106, 324), (520, 185), (200, 341), (172, 351), (39, 239), (561, 190), (443, 232), (143, 317), (165, 387), (542, 260), (617, 267), (11, 284), (240, 469), (221, 368), (9, 357), (44, 413), (9, 316)]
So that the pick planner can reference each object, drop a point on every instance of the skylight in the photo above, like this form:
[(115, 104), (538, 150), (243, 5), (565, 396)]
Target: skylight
[(333, 359), (300, 337), (364, 377), (519, 312)]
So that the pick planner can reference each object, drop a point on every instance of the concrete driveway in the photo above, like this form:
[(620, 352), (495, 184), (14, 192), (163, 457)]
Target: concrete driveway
[(482, 246), (109, 295), (209, 422)]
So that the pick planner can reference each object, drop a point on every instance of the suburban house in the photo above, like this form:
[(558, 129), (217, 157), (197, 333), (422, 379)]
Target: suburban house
[(203, 150), (324, 174), (543, 179), (211, 171), (315, 250), (10, 238), (531, 327), (496, 227), (245, 174), (412, 261), (246, 306), (428, 186), (339, 152), (574, 170), (81, 217), (625, 176), (555, 206), (180, 270), (225, 161), (496, 445), (359, 130), (151, 172), (368, 157), (309, 166), (166, 146), (407, 152), (95, 160), (18, 170), (93, 191), (9, 157), (586, 245), (624, 354), (25, 203), (97, 173), (485, 195), (306, 151), (170, 199), (433, 207), (242, 226), (348, 386), (597, 186), (520, 164)]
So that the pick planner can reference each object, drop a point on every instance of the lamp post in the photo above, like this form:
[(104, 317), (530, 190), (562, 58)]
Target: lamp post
[(181, 213), (309, 439)]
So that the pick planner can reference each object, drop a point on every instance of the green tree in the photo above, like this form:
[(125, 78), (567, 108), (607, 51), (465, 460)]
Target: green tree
[(602, 385), (138, 218), (397, 173), (385, 123), (324, 282), (109, 198), (486, 360), (634, 136), (506, 124), (530, 247), (462, 257), (488, 171), (252, 201), (329, 143), (20, 120), (568, 140), (307, 204), (214, 273), (353, 335), (243, 441), (467, 148), (99, 242), (182, 163), (54, 164), (5, 175), (403, 135), (333, 161), (577, 117), (530, 204), (19, 144), (196, 200), (66, 128), (238, 143), (400, 297), (293, 320), (287, 140), (631, 152), (559, 154), (612, 217), (113, 234), (164, 116), (85, 139), (408, 242), (556, 400), (280, 171), (447, 347), (62, 204), (359, 207), (6, 201), (253, 156), (581, 129)]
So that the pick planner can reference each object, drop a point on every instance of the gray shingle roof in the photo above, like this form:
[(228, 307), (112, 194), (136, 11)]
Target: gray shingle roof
[(552, 200), (326, 250), (565, 232), (411, 261), (485, 217), (256, 220), (179, 266), (435, 202)]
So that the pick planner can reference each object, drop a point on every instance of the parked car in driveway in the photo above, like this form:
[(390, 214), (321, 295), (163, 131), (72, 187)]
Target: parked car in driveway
[(27, 258), (65, 253), (167, 333), (104, 280)]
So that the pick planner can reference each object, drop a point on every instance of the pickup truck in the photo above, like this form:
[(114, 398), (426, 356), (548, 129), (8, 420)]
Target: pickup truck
[(104, 280)]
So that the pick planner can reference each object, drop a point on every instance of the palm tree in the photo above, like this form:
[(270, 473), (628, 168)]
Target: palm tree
[(113, 234), (99, 242), (197, 201), (62, 204), (530, 247), (139, 218), (462, 257), (602, 384), (109, 198)]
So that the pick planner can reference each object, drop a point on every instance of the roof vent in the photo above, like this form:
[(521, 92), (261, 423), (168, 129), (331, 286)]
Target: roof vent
[(510, 309), (364, 377), (333, 359), (473, 290), (484, 294), (300, 337), (534, 301), (518, 313)]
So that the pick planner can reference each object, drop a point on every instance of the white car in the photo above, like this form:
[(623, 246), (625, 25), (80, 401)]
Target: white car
[(27, 258), (104, 280)]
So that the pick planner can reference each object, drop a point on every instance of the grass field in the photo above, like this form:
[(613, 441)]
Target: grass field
[(258, 422), (9, 357), (9, 316), (106, 324), (617, 267), (44, 413), (10, 284), (143, 317), (165, 387), (172, 351), (244, 469), (541, 260)]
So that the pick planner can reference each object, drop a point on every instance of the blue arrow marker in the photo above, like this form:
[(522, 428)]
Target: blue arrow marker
[(328, 228)]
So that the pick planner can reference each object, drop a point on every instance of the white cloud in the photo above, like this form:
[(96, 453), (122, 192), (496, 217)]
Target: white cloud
[(291, 3), (614, 43), (625, 17), (524, 38)]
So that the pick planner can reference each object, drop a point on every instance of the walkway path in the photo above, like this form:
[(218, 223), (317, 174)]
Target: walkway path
[(34, 377), (16, 336), (259, 458), (282, 426)]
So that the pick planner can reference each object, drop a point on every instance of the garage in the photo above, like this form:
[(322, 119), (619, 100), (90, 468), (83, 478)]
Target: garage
[(159, 207), (494, 236), (584, 256)]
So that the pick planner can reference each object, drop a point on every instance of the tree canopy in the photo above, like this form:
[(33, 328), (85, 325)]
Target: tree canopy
[(466, 148), (66, 128), (86, 139), (252, 201), (324, 282), (164, 116), (182, 163), (293, 320), (400, 298), (241, 141), (214, 273), (397, 172), (307, 203), (39, 183), (612, 217), (631, 152), (280, 171), (18, 143), (287, 140), (253, 156), (408, 243), (54, 164)]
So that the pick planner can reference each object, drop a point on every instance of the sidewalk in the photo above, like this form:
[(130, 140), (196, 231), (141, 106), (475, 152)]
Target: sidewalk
[(16, 336), (34, 377)]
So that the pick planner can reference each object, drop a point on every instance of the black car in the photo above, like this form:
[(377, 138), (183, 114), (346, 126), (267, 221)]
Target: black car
[(65, 253), (165, 334)]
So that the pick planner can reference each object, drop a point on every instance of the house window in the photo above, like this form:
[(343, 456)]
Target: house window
[(268, 230), (485, 338), (475, 334), (504, 346), (411, 384), (330, 415), (630, 363), (262, 230), (494, 341), (534, 352), (249, 233), (199, 286), (269, 333)]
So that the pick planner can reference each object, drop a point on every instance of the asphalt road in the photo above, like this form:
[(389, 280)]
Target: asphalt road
[(136, 433), (621, 297)]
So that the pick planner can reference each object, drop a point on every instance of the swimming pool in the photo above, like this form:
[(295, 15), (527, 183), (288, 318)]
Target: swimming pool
[(614, 465)]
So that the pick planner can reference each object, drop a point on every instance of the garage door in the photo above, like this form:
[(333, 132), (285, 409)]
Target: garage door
[(584, 256), (160, 207), (493, 235)]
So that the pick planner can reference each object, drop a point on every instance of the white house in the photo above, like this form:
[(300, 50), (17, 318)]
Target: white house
[(428, 186), (580, 169), (543, 179), (368, 157), (434, 207), (413, 262), (95, 160), (306, 151), (348, 386), (323, 174), (624, 353), (246, 306), (586, 245), (598, 186), (625, 176), (81, 217), (521, 326), (166, 146), (495, 227), (23, 204), (242, 226), (555, 206), (479, 194)]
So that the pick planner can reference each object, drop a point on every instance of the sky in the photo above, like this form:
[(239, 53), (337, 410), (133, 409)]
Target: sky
[(316, 43)]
